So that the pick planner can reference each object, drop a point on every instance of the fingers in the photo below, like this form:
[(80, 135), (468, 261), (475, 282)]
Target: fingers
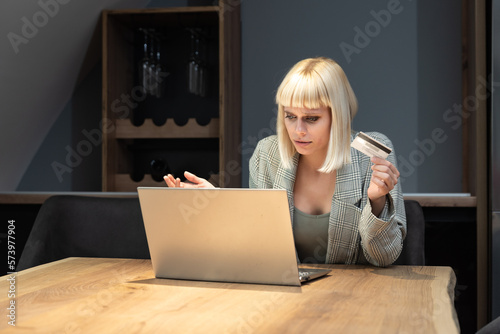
[(173, 182), (192, 178), (379, 188), (384, 178), (384, 181), (193, 181), (169, 180), (384, 169), (382, 162)]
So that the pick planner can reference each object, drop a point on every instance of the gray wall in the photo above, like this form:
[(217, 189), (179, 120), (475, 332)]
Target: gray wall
[(48, 52), (439, 152), (405, 69), (405, 75)]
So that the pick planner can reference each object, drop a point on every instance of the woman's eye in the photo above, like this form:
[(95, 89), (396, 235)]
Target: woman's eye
[(289, 116), (312, 119)]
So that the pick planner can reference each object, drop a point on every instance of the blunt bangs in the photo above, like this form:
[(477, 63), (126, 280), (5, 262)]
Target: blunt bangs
[(304, 90)]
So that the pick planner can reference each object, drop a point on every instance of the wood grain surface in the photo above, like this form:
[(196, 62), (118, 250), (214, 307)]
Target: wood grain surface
[(89, 295)]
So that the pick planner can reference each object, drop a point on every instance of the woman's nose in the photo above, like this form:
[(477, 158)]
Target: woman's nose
[(300, 127)]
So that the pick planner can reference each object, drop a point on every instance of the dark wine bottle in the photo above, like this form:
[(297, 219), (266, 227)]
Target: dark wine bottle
[(158, 169), (159, 119), (137, 173), (138, 117), (181, 118), (203, 118)]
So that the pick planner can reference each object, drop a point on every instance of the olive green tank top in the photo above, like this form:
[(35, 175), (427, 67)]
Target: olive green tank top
[(310, 233)]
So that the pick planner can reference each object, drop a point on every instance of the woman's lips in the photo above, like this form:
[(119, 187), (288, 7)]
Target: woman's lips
[(302, 143)]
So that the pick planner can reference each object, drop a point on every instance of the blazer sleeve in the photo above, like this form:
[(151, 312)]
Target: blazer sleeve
[(382, 237)]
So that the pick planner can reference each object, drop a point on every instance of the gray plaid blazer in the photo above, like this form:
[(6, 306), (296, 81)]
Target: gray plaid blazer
[(355, 235)]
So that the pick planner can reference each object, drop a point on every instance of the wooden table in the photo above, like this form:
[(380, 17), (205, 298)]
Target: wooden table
[(88, 295)]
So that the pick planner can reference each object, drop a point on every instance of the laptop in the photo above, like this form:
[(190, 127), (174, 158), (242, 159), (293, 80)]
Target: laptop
[(224, 235)]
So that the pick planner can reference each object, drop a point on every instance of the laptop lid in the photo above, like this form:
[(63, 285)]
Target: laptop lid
[(228, 235)]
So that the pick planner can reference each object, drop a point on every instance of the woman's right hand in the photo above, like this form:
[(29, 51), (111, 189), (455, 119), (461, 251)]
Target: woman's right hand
[(194, 181)]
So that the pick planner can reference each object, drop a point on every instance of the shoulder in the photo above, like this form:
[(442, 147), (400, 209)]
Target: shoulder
[(267, 147), (268, 142), (264, 163), (267, 153)]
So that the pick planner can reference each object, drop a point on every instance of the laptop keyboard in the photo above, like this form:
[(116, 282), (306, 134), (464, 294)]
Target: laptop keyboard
[(304, 275)]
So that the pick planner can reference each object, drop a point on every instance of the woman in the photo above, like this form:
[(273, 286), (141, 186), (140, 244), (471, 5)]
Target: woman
[(345, 207)]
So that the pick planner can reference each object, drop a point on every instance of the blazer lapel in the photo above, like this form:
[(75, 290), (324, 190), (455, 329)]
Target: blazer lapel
[(343, 234), (348, 187)]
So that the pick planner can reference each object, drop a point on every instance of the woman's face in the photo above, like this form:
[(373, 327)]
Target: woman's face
[(309, 129)]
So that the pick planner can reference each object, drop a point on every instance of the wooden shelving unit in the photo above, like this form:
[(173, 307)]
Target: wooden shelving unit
[(125, 129), (195, 133)]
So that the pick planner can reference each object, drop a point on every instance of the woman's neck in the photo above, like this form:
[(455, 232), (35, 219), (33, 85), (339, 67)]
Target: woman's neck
[(311, 163)]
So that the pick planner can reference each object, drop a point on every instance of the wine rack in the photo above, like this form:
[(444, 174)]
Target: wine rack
[(173, 127)]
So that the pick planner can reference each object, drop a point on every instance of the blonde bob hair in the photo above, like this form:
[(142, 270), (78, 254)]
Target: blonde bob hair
[(315, 83)]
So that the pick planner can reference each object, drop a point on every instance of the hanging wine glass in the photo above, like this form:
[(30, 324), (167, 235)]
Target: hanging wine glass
[(193, 65), (143, 70), (151, 88), (159, 71), (197, 68), (202, 74)]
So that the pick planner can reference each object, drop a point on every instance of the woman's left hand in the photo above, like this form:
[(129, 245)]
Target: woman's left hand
[(384, 178)]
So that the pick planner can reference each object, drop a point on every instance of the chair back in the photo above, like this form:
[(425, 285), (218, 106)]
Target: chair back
[(492, 327), (413, 252), (82, 226)]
